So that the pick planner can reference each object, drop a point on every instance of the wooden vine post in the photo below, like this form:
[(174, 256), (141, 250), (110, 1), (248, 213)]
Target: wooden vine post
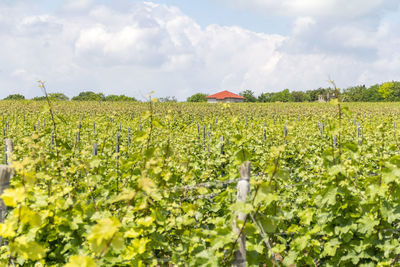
[(9, 147), (95, 149), (5, 177), (243, 189)]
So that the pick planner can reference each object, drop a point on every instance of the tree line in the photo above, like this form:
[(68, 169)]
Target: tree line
[(388, 91), (87, 96), (83, 96)]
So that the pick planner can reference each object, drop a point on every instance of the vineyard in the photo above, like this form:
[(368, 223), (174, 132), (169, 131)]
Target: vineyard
[(155, 184)]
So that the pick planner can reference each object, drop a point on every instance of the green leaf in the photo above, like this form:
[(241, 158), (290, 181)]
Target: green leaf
[(290, 258), (61, 118), (12, 197), (146, 221), (353, 147), (300, 243), (306, 216), (147, 185), (265, 195), (330, 247), (391, 175), (269, 224), (29, 250), (8, 228), (118, 242), (124, 196), (242, 155), (367, 223), (80, 261), (337, 169), (242, 207), (95, 163), (141, 136), (102, 232), (137, 247), (29, 216), (329, 198), (395, 160)]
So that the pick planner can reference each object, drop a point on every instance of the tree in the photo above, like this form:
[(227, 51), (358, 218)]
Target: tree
[(390, 91), (199, 97), (168, 99), (354, 93), (299, 96), (283, 96), (58, 96), (372, 94), (39, 98), (265, 97), (386, 90), (119, 98), (52, 96), (89, 96), (15, 97), (249, 95)]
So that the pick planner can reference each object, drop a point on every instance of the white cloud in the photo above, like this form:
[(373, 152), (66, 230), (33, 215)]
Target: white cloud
[(317, 8), (77, 5), (43, 24), (303, 24), (135, 48)]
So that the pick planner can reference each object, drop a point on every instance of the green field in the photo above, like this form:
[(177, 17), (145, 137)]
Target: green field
[(161, 191)]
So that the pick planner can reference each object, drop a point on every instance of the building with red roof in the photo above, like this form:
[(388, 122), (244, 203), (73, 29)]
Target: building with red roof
[(225, 96)]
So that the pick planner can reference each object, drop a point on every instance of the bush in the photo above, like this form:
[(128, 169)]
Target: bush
[(89, 96), (120, 98), (15, 97), (199, 97)]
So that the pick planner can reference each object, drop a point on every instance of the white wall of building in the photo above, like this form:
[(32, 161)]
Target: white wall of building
[(225, 100)]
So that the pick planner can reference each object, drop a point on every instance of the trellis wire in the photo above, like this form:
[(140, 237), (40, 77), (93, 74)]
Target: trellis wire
[(264, 237), (202, 185)]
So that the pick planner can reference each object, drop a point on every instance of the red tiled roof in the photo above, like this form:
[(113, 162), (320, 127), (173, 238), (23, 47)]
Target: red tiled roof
[(225, 94)]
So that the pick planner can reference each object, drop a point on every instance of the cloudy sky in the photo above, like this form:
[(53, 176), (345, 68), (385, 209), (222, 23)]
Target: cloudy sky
[(181, 47)]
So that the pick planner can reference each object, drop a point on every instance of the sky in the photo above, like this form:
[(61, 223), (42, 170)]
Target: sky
[(182, 47)]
